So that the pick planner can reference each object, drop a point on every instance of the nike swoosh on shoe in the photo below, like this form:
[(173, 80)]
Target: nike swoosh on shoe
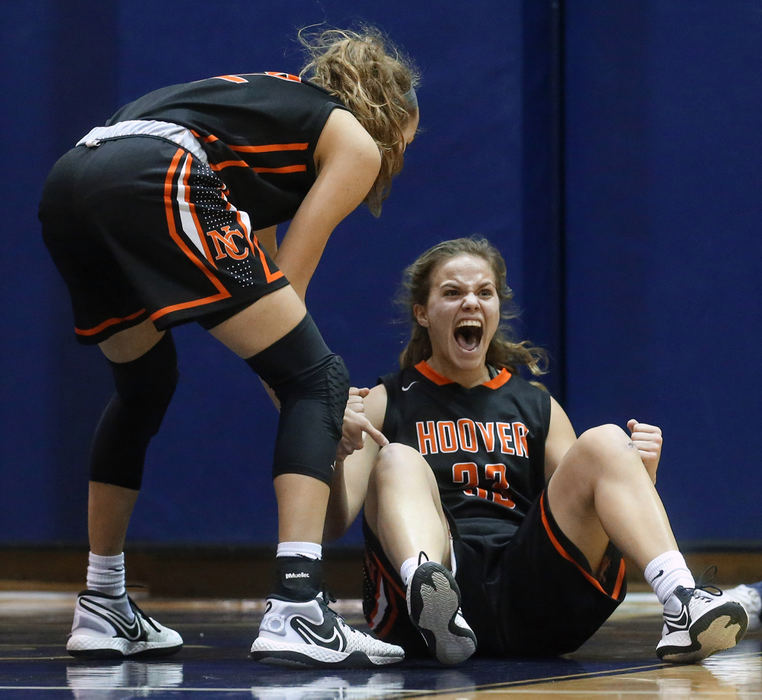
[(311, 635), (132, 631)]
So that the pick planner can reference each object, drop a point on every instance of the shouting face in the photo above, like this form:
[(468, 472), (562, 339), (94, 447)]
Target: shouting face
[(461, 315)]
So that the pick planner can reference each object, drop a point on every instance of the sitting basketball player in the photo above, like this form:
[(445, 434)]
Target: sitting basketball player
[(486, 518), (167, 215)]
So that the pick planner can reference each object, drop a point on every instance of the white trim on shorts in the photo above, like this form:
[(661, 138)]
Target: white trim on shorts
[(145, 127)]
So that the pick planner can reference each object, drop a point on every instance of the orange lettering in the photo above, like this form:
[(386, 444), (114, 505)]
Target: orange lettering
[(446, 432), (487, 431), (467, 435), (520, 439), (427, 442), (504, 433)]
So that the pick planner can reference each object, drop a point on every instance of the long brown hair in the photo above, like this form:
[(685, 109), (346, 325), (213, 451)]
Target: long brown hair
[(371, 77), (416, 285)]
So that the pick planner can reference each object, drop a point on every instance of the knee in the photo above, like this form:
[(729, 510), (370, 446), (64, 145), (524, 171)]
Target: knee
[(145, 386), (300, 366), (399, 466), (608, 446)]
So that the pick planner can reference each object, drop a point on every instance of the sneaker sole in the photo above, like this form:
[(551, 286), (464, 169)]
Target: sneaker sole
[(433, 601), (90, 647), (721, 629), (269, 651)]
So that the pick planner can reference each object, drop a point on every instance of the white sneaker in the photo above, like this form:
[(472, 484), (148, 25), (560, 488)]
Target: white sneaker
[(750, 596), (101, 631), (433, 603), (699, 622), (309, 633)]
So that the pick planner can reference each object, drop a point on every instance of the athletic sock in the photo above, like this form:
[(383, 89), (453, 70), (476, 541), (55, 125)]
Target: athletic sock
[(106, 575), (408, 569), (666, 572), (310, 550)]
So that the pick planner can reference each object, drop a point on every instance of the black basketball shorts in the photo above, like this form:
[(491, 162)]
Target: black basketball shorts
[(141, 228), (524, 594)]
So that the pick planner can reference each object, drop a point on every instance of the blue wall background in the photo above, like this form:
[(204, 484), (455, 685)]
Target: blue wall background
[(613, 157)]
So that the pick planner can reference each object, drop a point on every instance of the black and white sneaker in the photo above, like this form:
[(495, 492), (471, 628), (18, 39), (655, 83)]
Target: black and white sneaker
[(698, 622), (309, 633), (750, 596), (433, 603), (101, 630)]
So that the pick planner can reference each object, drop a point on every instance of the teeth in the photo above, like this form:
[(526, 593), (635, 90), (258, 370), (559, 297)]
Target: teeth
[(476, 324)]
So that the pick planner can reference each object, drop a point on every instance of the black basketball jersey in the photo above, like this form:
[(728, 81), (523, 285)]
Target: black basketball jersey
[(258, 130), (485, 445)]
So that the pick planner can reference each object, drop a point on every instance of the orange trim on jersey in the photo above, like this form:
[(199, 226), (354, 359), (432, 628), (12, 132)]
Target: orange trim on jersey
[(263, 148), (170, 213), (284, 169), (430, 373), (560, 549), (108, 322), (499, 379), (243, 164), (283, 76), (440, 380), (210, 138), (270, 147), (231, 78)]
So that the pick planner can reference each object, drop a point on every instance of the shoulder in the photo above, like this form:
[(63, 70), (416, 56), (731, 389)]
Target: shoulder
[(343, 137)]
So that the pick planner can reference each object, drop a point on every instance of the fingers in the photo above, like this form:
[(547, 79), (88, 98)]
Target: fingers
[(378, 437), (648, 442), (644, 432)]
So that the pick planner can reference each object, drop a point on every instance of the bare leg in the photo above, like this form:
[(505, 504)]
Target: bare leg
[(404, 510), (602, 491), (109, 511), (302, 502), (405, 521)]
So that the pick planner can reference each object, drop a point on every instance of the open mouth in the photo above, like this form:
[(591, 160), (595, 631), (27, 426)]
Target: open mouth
[(468, 334)]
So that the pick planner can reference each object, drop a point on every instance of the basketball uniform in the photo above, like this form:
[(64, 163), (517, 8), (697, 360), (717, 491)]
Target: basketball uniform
[(153, 215), (526, 589)]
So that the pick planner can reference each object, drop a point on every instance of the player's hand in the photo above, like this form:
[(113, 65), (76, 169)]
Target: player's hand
[(356, 425), (648, 441)]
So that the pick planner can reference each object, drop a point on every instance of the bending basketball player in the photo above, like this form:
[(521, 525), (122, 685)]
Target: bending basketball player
[(168, 215), (486, 518)]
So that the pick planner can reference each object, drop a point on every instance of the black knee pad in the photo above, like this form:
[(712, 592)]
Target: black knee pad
[(311, 384), (144, 389)]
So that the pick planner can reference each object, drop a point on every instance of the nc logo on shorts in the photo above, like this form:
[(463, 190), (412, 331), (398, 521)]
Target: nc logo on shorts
[(225, 246)]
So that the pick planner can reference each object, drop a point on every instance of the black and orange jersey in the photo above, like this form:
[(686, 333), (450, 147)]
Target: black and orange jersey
[(485, 445), (258, 130)]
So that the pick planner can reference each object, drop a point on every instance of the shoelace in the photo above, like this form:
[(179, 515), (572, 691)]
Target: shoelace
[(704, 587), (136, 609), (329, 598)]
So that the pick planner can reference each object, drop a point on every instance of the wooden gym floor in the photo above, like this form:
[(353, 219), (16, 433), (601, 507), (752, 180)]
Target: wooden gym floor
[(618, 662)]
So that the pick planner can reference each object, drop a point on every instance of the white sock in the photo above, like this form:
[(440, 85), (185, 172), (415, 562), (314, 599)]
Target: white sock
[(311, 550), (666, 572), (106, 574), (408, 569)]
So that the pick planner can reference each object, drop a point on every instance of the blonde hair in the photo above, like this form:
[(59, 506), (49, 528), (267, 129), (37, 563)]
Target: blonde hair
[(416, 285), (371, 77)]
